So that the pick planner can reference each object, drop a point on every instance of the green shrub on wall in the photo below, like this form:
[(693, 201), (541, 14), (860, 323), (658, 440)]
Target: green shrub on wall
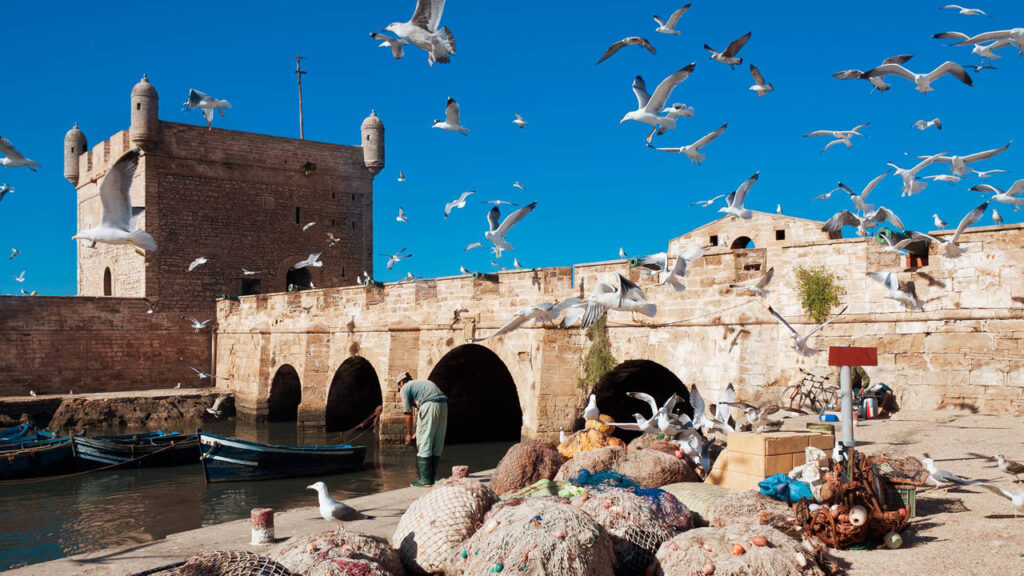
[(818, 291), (599, 360)]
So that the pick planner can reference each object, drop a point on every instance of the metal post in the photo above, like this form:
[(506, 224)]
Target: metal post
[(298, 74), (846, 410)]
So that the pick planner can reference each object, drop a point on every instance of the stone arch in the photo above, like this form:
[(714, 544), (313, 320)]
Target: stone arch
[(483, 402), (353, 394), (302, 278), (108, 282), (742, 243), (285, 395), (638, 376)]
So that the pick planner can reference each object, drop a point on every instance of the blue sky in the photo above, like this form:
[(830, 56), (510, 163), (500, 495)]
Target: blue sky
[(598, 187)]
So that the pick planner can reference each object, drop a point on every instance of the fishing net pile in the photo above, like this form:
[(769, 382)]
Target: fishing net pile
[(648, 468), (524, 464), (339, 553), (748, 508), (741, 550), (697, 496), (435, 523), (536, 536), (636, 527), (599, 459), (658, 443), (595, 434), (231, 564), (542, 488)]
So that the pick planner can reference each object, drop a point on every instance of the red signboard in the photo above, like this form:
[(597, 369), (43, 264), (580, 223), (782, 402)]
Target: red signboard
[(852, 356)]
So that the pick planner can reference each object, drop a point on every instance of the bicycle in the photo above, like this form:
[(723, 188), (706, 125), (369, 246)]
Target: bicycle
[(811, 392)]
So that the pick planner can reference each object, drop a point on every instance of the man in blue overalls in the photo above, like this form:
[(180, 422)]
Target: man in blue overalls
[(431, 424)]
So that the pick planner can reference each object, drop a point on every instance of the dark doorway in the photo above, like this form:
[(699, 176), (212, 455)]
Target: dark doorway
[(353, 395), (250, 286), (108, 289), (638, 376), (742, 243), (483, 405), (300, 278), (285, 396)]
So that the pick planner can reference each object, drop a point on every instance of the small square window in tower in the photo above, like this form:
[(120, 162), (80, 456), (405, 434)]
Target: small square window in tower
[(250, 286), (917, 260), (713, 240), (780, 234)]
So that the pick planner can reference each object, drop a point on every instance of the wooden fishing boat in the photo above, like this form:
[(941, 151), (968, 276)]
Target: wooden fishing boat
[(37, 458), (228, 459), (146, 450), (23, 435), (14, 432)]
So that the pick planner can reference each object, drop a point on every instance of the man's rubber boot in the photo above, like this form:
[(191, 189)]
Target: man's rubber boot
[(435, 461), (423, 465)]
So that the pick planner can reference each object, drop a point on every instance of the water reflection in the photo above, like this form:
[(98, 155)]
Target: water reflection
[(49, 519)]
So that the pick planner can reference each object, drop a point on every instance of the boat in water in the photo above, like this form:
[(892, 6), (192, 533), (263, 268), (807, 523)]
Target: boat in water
[(230, 459), (37, 458), (22, 434), (144, 450)]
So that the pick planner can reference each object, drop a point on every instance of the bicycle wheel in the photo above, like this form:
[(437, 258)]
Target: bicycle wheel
[(792, 397)]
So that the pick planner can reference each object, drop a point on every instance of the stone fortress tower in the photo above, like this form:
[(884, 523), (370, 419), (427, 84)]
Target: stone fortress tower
[(239, 199)]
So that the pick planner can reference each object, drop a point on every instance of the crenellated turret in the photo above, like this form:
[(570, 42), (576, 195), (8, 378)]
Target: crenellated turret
[(74, 146), (145, 127), (372, 131)]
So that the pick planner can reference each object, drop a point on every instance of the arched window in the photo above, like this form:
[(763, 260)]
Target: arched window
[(742, 243), (107, 284)]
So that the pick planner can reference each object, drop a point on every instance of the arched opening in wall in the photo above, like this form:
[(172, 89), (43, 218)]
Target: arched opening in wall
[(638, 376), (742, 243), (300, 278), (285, 396), (108, 288), (483, 404), (354, 394)]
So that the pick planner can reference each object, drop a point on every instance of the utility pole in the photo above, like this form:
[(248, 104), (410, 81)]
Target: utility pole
[(298, 75)]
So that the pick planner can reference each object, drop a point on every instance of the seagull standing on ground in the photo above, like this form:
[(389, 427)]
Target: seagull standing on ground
[(923, 125), (496, 232), (421, 31), (692, 151), (959, 163), (459, 202), (452, 121), (1010, 467), (397, 45), (649, 106), (196, 263), (903, 292), (311, 261), (669, 26), (728, 56), (117, 223), (14, 159), (877, 82), (628, 41), (401, 215), (520, 122), (922, 81), (735, 199), (395, 258), (944, 478), (760, 86), (206, 104), (5, 189), (800, 342), (591, 412), (951, 247), (332, 510), (758, 288), (841, 136)]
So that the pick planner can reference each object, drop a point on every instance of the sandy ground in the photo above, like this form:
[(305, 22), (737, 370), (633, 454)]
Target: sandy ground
[(967, 531)]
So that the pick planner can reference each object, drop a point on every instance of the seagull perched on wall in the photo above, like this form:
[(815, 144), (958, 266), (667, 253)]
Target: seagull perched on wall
[(618, 293), (452, 122), (877, 82), (760, 86), (649, 106), (622, 253), (996, 217), (800, 341), (841, 136), (951, 247), (543, 313), (5, 189), (117, 222), (959, 163), (395, 258), (332, 510), (923, 125), (311, 261), (563, 438), (728, 56), (397, 45), (939, 222), (669, 26), (421, 31), (758, 288), (591, 412), (1008, 197), (496, 231), (207, 104), (459, 202), (903, 292), (196, 324), (922, 81), (692, 151), (911, 185), (734, 202), (201, 373), (868, 220), (14, 159), (627, 41)]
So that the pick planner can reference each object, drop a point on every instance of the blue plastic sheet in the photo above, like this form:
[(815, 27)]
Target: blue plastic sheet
[(782, 487)]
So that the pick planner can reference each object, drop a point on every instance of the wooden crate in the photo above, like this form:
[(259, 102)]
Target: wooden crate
[(752, 457)]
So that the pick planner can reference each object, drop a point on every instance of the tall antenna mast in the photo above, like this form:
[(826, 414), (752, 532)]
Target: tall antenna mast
[(298, 75)]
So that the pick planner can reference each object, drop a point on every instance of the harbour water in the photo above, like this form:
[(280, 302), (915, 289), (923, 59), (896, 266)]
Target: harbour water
[(46, 519)]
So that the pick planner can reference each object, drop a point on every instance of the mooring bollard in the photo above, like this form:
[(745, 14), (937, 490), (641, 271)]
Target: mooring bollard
[(460, 471), (262, 525)]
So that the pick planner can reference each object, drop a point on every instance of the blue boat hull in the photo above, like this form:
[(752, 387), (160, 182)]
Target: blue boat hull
[(150, 450), (42, 458), (231, 459)]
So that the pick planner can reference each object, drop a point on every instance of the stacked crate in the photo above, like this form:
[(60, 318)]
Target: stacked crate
[(752, 457)]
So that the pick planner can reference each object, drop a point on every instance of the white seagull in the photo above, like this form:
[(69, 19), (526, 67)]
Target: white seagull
[(451, 122), (215, 408), (516, 264), (996, 217), (649, 106), (498, 266), (760, 86), (196, 324), (622, 253), (944, 478), (19, 277), (841, 136), (1008, 197), (196, 263), (862, 222), (401, 215), (877, 82), (911, 185), (397, 45), (707, 203), (922, 81), (464, 270), (1016, 498), (903, 292), (1014, 35), (939, 222), (5, 189), (247, 272), (460, 202), (628, 41), (519, 185), (987, 173), (959, 163), (539, 313), (201, 373), (728, 56), (311, 261), (692, 151), (563, 438), (473, 245), (14, 253), (332, 510), (658, 264), (519, 121), (758, 288), (117, 222), (13, 159), (496, 231), (591, 412), (308, 225), (669, 26), (395, 258), (617, 294), (206, 104), (951, 247), (421, 31), (401, 176), (965, 11), (951, 178), (735, 199), (644, 425), (923, 125), (800, 342), (984, 51), (499, 202)]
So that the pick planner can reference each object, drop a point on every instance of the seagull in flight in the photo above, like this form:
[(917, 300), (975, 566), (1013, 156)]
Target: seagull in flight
[(1016, 498), (201, 373), (987, 173), (519, 185), (401, 215), (728, 56), (841, 136), (800, 342), (692, 151), (520, 122), (735, 199), (617, 294), (760, 86), (984, 51), (330, 509), (332, 239), (649, 106), (922, 81), (658, 264), (196, 324), (496, 231), (206, 104), (460, 202), (877, 83), (14, 253), (707, 203), (911, 185), (643, 425), (758, 288), (14, 159), (247, 272), (5, 189), (959, 163), (627, 41), (868, 220), (923, 125), (669, 26), (401, 176), (473, 245), (498, 266), (1008, 197), (667, 423), (397, 45), (543, 313), (311, 261), (422, 31), (308, 225), (117, 222), (197, 263), (19, 277), (965, 11), (215, 409), (951, 247), (395, 258), (498, 202), (903, 292), (451, 122)]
